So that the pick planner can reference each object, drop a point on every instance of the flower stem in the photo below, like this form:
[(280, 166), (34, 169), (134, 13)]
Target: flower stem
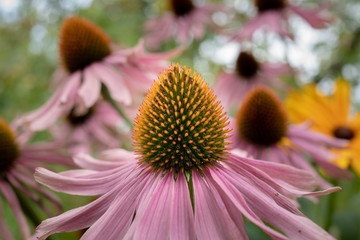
[(191, 191), (108, 98), (330, 209)]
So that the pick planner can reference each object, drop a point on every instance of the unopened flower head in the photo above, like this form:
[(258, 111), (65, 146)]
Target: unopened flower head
[(82, 43), (263, 5), (262, 119), (180, 126), (181, 7), (8, 148)]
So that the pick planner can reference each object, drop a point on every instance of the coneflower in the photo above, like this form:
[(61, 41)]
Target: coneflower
[(92, 65), (272, 15), (185, 21), (232, 85), (182, 182), (262, 129), (17, 186)]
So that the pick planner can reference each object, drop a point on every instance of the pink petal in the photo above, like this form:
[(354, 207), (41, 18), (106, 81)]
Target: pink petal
[(78, 218), (211, 221), (113, 81), (293, 225), (5, 232), (237, 199), (88, 162), (100, 184), (90, 88), (72, 85), (295, 177), (182, 220), (14, 204), (155, 221), (313, 17), (115, 222)]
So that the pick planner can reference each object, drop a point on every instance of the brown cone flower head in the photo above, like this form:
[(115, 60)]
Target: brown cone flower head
[(264, 5), (344, 133), (8, 148), (181, 7), (246, 65), (261, 119), (82, 43), (180, 126)]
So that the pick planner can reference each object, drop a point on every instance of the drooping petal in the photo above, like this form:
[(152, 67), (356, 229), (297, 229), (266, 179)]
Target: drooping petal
[(155, 221), (4, 229), (182, 220), (90, 89), (211, 221), (115, 222), (233, 197), (14, 204), (78, 218), (90, 185), (113, 81)]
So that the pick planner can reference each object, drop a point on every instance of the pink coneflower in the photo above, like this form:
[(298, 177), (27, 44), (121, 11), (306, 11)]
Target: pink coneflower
[(181, 183), (185, 21), (262, 130), (232, 86), (273, 16), (87, 55), (17, 164), (98, 128)]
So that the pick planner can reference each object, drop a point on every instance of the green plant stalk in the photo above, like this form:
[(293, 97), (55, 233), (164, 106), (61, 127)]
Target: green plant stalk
[(108, 98)]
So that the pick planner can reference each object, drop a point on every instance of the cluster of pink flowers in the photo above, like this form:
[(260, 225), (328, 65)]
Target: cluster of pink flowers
[(167, 170)]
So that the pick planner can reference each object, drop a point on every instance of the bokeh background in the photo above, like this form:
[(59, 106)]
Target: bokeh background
[(29, 57)]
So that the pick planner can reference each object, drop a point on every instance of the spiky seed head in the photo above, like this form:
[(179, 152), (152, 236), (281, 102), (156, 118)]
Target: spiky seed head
[(180, 126), (82, 43), (8, 148), (246, 65), (181, 7), (264, 5), (344, 133), (261, 119)]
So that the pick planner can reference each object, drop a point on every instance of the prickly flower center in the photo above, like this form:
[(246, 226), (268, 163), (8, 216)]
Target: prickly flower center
[(264, 5), (8, 148), (79, 119), (344, 133), (180, 126), (261, 120), (246, 65), (82, 43), (181, 7)]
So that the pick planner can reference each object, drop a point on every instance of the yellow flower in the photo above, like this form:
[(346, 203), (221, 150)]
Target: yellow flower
[(329, 114)]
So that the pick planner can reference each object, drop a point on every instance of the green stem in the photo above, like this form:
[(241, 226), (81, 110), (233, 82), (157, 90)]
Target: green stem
[(191, 191), (108, 98), (330, 209)]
